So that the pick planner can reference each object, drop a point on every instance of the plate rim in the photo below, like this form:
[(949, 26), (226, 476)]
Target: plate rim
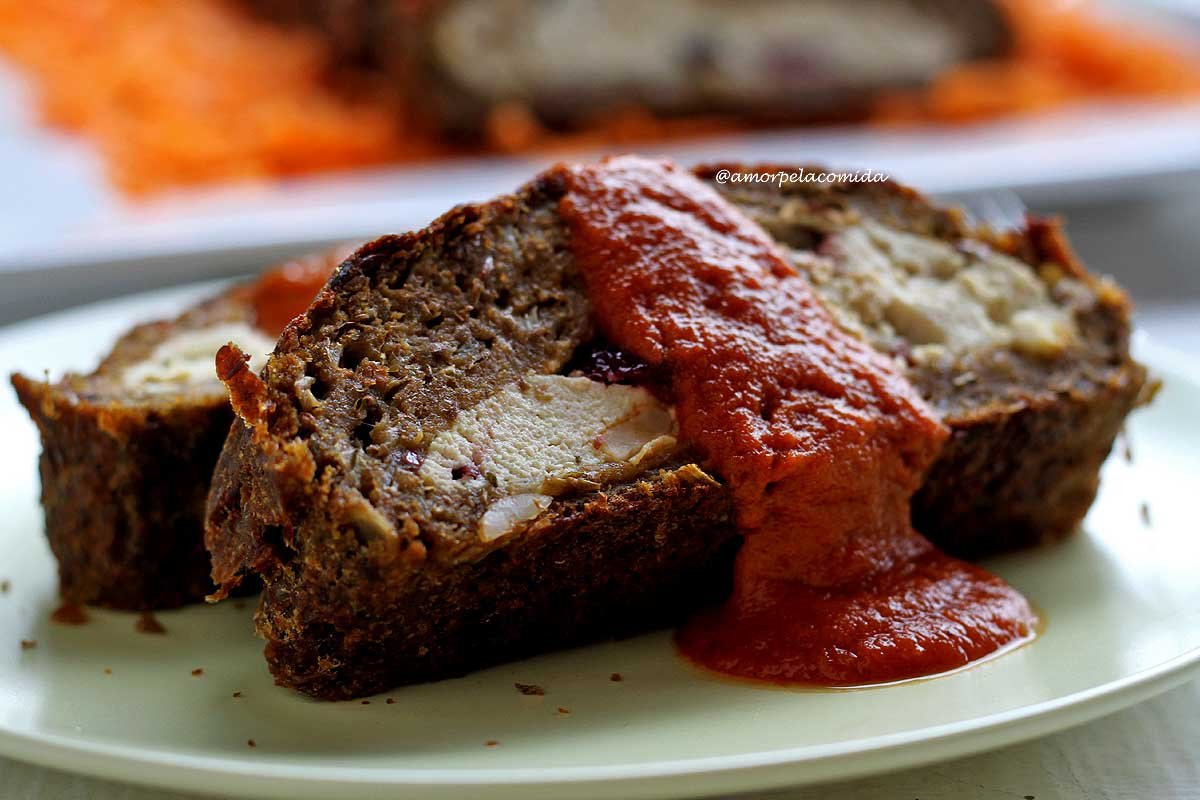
[(745, 771), (687, 776)]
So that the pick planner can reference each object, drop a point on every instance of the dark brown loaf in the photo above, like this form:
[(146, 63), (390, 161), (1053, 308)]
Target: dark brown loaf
[(372, 579), (129, 449), (124, 479), (1030, 429)]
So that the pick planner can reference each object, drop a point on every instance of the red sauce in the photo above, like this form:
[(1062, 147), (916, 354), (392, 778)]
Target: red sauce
[(821, 439), (283, 293)]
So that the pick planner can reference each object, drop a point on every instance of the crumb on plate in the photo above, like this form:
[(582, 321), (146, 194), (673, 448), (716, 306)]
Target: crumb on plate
[(530, 689), (69, 613)]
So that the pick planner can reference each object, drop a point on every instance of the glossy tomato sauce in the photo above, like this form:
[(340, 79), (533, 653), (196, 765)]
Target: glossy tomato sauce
[(284, 292), (820, 438)]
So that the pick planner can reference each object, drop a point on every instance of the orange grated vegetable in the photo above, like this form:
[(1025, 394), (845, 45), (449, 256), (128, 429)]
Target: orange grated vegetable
[(1062, 52), (185, 91)]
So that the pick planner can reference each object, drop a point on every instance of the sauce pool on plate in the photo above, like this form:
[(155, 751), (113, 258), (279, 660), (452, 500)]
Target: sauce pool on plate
[(821, 440)]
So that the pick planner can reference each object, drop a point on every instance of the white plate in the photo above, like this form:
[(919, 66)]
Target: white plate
[(1121, 601)]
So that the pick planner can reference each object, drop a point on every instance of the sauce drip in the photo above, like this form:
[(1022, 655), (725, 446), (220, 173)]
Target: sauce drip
[(284, 292), (820, 438)]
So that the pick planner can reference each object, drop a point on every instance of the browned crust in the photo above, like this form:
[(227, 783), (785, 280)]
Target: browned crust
[(125, 476), (124, 482), (126, 535), (246, 524), (608, 564), (1025, 469), (1026, 474)]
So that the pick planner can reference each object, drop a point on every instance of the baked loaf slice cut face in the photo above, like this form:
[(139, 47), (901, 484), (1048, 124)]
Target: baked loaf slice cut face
[(425, 483), (129, 449), (1022, 351)]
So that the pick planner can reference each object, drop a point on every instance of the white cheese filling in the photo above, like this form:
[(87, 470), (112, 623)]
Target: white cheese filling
[(187, 359), (935, 298), (537, 438)]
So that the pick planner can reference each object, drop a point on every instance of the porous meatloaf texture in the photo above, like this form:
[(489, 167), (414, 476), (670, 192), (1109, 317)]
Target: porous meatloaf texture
[(1022, 351), (125, 474), (570, 62), (374, 574)]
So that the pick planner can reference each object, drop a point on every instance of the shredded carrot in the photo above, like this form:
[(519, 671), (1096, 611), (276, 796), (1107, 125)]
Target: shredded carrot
[(179, 92), (1062, 52), (186, 91)]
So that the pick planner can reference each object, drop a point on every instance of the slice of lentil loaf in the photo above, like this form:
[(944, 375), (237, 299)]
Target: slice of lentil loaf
[(424, 490), (128, 452), (370, 479), (1007, 335)]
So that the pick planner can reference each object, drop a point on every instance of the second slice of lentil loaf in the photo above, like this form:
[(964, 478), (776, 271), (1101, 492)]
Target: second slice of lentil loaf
[(1023, 352), (128, 450)]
